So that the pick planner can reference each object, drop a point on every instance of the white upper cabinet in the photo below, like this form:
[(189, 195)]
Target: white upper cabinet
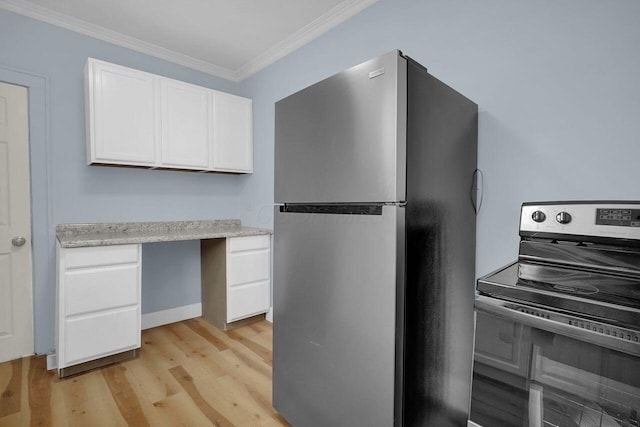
[(233, 133), (185, 125), (121, 115), (141, 119)]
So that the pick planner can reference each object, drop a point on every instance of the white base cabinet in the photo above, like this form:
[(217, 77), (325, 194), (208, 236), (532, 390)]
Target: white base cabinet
[(98, 298), (141, 119), (248, 271), (98, 303), (236, 281)]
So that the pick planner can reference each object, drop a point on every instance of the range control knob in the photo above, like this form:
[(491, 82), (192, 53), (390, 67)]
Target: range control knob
[(563, 217), (538, 216)]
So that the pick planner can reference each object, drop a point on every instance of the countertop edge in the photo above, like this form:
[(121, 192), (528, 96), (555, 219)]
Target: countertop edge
[(108, 238)]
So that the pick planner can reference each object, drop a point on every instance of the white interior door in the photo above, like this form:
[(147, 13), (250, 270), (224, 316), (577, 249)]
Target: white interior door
[(16, 306)]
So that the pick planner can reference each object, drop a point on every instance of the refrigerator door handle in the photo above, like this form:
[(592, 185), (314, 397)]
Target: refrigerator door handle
[(477, 190), (335, 209)]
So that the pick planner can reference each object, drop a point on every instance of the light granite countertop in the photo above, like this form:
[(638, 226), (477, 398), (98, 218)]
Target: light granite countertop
[(121, 233)]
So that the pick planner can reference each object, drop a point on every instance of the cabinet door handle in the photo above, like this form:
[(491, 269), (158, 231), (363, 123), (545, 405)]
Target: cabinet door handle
[(18, 241)]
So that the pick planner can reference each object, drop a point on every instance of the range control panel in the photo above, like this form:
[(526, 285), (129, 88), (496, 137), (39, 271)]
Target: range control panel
[(598, 219), (620, 217)]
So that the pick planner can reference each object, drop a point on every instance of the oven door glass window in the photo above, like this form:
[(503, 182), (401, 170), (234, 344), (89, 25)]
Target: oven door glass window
[(530, 377)]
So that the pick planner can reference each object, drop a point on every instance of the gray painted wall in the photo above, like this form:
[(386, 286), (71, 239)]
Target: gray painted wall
[(557, 83), (50, 61)]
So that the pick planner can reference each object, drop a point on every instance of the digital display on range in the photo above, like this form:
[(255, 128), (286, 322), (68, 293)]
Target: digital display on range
[(619, 217)]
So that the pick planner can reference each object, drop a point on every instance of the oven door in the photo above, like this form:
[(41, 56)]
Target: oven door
[(533, 372)]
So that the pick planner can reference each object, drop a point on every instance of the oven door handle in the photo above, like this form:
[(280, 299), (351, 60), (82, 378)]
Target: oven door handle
[(502, 308)]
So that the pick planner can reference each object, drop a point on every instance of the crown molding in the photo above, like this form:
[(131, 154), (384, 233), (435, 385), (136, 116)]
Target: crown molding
[(70, 23), (316, 28)]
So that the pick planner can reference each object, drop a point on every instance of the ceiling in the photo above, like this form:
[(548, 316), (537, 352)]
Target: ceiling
[(232, 39)]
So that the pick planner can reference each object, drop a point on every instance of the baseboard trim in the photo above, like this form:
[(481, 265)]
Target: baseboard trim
[(270, 315), (172, 315), (52, 361)]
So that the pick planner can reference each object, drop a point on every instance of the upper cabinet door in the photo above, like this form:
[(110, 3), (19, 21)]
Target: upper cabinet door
[(233, 133), (185, 125), (121, 115)]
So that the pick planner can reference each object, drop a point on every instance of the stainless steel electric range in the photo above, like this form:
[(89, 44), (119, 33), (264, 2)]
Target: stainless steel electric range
[(558, 331)]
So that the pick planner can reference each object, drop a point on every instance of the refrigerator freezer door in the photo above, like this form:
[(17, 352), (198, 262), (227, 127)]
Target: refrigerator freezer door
[(335, 317), (344, 139)]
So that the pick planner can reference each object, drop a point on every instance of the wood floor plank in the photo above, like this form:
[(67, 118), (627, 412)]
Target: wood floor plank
[(13, 420), (160, 352), (265, 403), (251, 344), (201, 330), (58, 402), (264, 339), (180, 410), (39, 385), (167, 345), (88, 401), (222, 335), (6, 371), (259, 326), (186, 374), (122, 392), (152, 381), (246, 374), (150, 389), (194, 346), (247, 352), (186, 381), (11, 395), (240, 402), (253, 362), (188, 341), (233, 397)]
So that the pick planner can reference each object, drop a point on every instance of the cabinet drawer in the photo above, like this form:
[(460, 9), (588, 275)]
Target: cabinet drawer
[(248, 243), (248, 300), (247, 267), (101, 255), (102, 288), (92, 337)]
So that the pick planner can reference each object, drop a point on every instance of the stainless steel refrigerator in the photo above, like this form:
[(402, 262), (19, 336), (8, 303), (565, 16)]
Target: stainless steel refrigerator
[(374, 249)]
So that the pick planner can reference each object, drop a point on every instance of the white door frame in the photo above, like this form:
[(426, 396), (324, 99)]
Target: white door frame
[(42, 228)]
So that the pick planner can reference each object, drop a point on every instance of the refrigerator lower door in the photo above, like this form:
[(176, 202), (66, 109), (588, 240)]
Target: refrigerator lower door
[(336, 316)]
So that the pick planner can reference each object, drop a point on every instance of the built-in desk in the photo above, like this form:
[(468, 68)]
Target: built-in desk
[(99, 270)]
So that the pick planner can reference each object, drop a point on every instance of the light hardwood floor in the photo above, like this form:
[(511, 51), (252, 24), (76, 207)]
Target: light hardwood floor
[(186, 374)]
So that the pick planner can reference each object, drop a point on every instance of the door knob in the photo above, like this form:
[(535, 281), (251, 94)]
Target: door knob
[(18, 241)]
